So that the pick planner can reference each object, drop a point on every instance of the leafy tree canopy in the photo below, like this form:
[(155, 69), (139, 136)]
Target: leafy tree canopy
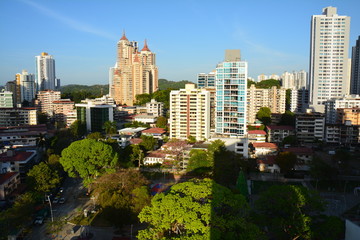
[(286, 211), (264, 115), (288, 118), (79, 92), (78, 129), (268, 83), (142, 99), (88, 159), (42, 178), (161, 122), (286, 161), (198, 209), (95, 135), (166, 84), (199, 162), (110, 127), (148, 142)]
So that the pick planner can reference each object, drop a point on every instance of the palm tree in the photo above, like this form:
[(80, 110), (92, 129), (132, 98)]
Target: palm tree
[(110, 127)]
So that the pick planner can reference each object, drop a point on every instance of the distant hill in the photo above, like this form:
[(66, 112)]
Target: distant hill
[(166, 84), (97, 90)]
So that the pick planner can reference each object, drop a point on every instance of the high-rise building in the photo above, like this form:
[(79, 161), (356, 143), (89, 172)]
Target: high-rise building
[(206, 80), (17, 117), (355, 68), (273, 98), (11, 87), (300, 79), (45, 99), (190, 113), (45, 73), (135, 72), (231, 82), (6, 99), (26, 87), (299, 100), (331, 106), (329, 46), (287, 80)]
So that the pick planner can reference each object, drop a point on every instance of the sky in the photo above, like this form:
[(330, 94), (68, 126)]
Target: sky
[(188, 36)]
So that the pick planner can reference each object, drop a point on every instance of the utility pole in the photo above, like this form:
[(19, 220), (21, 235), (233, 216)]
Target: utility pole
[(51, 212)]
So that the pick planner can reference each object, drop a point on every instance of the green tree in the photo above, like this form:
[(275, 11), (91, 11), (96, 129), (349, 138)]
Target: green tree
[(321, 171), (42, 178), (268, 83), (191, 139), (286, 161), (328, 228), (148, 142), (286, 210), (122, 195), (110, 127), (198, 209), (137, 155), (199, 162), (42, 117), (264, 115), (78, 129), (291, 139), (142, 99), (53, 162), (161, 122), (95, 135), (288, 118), (88, 159)]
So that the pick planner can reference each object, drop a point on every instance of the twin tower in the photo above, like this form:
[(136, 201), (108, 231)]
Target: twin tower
[(135, 72)]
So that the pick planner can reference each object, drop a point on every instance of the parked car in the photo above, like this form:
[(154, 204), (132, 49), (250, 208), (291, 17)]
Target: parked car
[(39, 220), (56, 200), (62, 200)]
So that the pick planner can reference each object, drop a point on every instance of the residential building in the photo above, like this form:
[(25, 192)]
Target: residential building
[(9, 182), (261, 149), (26, 87), (310, 127), (6, 99), (329, 47), (17, 116), (155, 108), (348, 101), (294, 80), (190, 113), (299, 100), (262, 77), (239, 145), (64, 111), (45, 73), (145, 118), (135, 72), (288, 80), (355, 69), (351, 115), (268, 164), (274, 76), (256, 136), (17, 161), (158, 133), (277, 134), (273, 98), (304, 156), (105, 99), (231, 83), (22, 136), (344, 134), (300, 79), (94, 115), (212, 91), (11, 86), (45, 99), (206, 80)]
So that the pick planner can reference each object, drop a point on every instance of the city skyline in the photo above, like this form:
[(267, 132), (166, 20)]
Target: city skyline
[(188, 37)]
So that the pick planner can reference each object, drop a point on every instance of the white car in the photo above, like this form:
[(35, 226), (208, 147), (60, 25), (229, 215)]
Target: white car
[(56, 200), (39, 220)]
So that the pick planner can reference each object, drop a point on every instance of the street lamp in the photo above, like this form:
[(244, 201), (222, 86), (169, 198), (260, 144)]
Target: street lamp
[(51, 212)]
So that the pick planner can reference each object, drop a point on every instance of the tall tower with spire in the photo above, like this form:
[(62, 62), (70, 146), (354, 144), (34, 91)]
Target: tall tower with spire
[(134, 73)]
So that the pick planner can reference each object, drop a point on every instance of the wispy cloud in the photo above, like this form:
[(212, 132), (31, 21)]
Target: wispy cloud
[(72, 23)]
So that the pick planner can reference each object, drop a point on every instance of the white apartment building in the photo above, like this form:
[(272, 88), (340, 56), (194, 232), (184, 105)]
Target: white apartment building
[(206, 80), (331, 106), (310, 127), (299, 100), (190, 113), (329, 71), (294, 80), (45, 73), (155, 108), (26, 86), (288, 80), (6, 99), (273, 98)]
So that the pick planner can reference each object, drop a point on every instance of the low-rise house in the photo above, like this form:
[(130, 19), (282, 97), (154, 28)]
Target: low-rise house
[(277, 134), (155, 157), (158, 133), (257, 136), (17, 161), (9, 181), (304, 157), (263, 149), (239, 145), (267, 164), (145, 118)]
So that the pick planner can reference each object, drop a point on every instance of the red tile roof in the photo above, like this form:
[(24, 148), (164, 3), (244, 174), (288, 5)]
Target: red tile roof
[(265, 145), (262, 132), (136, 140), (299, 150), (157, 154), (17, 157), (6, 176), (154, 130), (267, 160), (282, 127)]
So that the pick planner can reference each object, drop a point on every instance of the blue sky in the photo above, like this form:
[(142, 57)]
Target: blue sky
[(188, 36)]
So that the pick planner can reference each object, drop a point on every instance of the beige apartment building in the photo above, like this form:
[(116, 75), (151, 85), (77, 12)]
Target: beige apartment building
[(45, 99), (348, 114), (64, 111), (135, 72), (190, 113), (273, 98)]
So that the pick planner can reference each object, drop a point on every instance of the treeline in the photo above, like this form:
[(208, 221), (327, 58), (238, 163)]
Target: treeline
[(265, 83), (79, 92), (166, 84)]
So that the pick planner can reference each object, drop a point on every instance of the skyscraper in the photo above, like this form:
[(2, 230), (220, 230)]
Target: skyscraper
[(329, 45), (26, 88), (45, 73), (355, 68), (134, 73), (231, 82), (206, 80)]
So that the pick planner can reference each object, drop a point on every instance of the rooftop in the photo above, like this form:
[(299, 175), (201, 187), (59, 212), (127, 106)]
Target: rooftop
[(282, 127), (6, 176), (155, 130), (265, 145), (15, 156), (258, 132)]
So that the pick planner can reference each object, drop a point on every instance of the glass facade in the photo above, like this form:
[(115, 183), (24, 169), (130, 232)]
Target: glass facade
[(231, 83)]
